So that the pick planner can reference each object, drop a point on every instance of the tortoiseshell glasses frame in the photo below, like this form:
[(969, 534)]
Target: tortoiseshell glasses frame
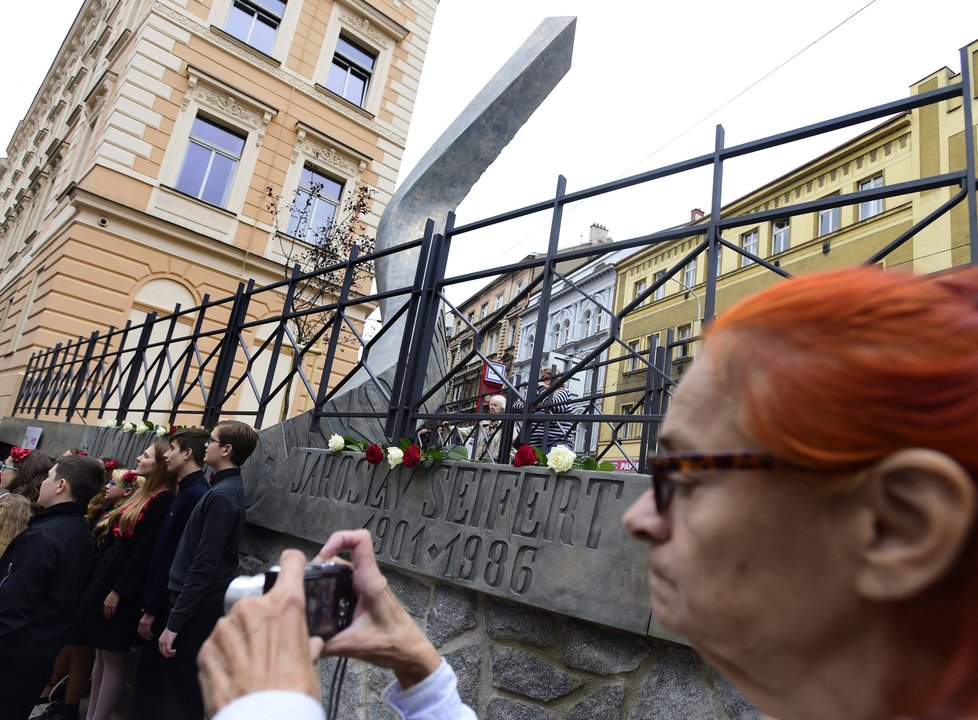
[(661, 467)]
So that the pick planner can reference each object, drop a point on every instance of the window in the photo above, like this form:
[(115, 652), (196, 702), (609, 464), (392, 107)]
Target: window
[(484, 309), (660, 292), (781, 236), (349, 75), (684, 332), (492, 342), (635, 346), (556, 335), (719, 263), (639, 289), (869, 208), (587, 323), (498, 303), (689, 273), (828, 221), (749, 242), (627, 428), (210, 162), (511, 336), (316, 200), (567, 332), (255, 22)]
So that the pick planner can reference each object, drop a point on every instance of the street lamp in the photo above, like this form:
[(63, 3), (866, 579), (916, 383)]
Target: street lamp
[(699, 306)]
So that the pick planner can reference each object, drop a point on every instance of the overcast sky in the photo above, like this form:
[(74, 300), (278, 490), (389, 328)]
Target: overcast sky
[(642, 91)]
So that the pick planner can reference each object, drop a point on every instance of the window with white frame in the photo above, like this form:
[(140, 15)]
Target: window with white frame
[(210, 162), (351, 70), (498, 303), (255, 22), (627, 428), (639, 289), (586, 322), (683, 334), (316, 201), (567, 331), (660, 292), (556, 335), (689, 273), (829, 220), (749, 242), (492, 342), (869, 208), (634, 347), (483, 310), (719, 263), (780, 236)]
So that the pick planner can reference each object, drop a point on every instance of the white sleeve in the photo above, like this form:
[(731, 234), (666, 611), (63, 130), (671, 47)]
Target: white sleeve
[(434, 698), (273, 705)]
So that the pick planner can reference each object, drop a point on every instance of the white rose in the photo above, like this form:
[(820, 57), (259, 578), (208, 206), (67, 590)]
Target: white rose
[(336, 442), (395, 456), (110, 423), (561, 458), (162, 431), (140, 429), (128, 427)]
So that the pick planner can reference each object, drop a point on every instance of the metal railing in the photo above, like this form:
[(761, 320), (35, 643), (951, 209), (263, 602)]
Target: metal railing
[(195, 364)]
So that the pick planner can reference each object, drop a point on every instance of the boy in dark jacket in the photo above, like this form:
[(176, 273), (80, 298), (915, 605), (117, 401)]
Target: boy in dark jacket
[(44, 572), (205, 562)]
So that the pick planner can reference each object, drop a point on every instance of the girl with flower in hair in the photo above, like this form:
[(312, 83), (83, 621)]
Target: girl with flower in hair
[(112, 604), (23, 471)]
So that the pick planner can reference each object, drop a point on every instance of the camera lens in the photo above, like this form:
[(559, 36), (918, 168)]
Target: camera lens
[(242, 587)]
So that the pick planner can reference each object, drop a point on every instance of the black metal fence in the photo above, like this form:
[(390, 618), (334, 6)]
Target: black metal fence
[(195, 364)]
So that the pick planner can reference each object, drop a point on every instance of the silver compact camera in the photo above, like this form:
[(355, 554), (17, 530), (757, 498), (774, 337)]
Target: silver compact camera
[(329, 595)]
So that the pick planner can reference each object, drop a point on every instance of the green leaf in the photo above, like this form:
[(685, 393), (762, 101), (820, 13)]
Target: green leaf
[(606, 466), (589, 463), (405, 443), (541, 457)]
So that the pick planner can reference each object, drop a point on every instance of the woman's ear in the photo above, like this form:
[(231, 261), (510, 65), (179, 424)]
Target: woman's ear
[(918, 511)]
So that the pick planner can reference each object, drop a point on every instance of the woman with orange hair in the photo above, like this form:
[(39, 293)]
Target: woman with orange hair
[(812, 524)]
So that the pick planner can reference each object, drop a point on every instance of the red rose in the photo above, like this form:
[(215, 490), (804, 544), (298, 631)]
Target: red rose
[(525, 455), (374, 454), (18, 454), (111, 464), (173, 429), (412, 456), (130, 477)]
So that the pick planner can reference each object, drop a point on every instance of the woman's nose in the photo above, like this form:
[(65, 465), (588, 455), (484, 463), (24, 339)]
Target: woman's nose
[(645, 523)]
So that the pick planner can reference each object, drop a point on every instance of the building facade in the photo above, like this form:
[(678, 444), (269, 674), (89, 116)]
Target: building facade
[(158, 161), (924, 142), (577, 323)]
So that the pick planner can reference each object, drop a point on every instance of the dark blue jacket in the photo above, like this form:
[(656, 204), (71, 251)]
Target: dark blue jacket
[(44, 572), (189, 492), (207, 556)]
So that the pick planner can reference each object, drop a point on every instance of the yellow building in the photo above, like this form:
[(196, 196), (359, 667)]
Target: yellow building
[(140, 173), (923, 142)]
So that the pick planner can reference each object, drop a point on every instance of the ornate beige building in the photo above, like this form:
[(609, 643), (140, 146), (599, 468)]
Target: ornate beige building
[(139, 175)]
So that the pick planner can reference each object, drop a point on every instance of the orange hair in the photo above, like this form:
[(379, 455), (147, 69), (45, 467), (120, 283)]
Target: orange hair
[(842, 368)]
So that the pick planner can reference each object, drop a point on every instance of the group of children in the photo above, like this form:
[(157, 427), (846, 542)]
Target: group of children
[(111, 559)]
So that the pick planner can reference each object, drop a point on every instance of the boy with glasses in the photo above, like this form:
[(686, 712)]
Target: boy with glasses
[(205, 562)]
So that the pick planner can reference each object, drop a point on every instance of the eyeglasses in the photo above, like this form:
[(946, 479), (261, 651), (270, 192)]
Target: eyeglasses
[(5, 466), (210, 440), (663, 467)]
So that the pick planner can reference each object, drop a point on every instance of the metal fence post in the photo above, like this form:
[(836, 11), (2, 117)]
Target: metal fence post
[(135, 365), (277, 346), (713, 233), (82, 376), (225, 361)]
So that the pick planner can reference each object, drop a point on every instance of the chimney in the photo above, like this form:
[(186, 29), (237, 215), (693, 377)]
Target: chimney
[(599, 234), (695, 215)]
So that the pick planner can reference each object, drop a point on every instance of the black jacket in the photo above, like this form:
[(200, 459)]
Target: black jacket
[(189, 492), (207, 555), (44, 570)]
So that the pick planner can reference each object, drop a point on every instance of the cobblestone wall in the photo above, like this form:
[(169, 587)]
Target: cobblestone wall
[(518, 663)]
